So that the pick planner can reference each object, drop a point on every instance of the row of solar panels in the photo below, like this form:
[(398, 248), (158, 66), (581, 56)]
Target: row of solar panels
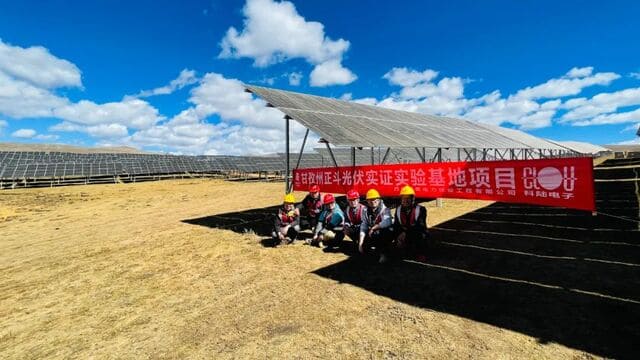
[(14, 165), (109, 168), (20, 165)]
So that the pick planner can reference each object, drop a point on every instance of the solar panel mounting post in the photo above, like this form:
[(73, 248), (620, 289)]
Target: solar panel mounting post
[(304, 141), (353, 156), (386, 154), (420, 154), (333, 158), (286, 176), (439, 155)]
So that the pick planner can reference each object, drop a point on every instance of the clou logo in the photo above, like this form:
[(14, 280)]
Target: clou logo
[(549, 178)]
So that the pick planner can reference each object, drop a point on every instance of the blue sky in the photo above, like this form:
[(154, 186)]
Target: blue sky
[(165, 76)]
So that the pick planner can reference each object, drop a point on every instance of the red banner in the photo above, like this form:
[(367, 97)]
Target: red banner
[(566, 182)]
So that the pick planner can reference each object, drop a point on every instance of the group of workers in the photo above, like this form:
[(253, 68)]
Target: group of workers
[(371, 226)]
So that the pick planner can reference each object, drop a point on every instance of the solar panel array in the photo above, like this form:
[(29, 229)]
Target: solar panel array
[(345, 123), (32, 165), (529, 140), (581, 147), (48, 165), (56, 165)]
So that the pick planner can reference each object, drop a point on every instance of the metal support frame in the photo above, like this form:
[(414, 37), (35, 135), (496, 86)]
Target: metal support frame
[(304, 141), (420, 154), (386, 154), (353, 156), (287, 183), (437, 155), (397, 158), (333, 158), (467, 155)]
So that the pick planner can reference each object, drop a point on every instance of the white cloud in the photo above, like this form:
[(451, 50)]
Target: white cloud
[(227, 98), (331, 73), (603, 103), (48, 137), (186, 77), (635, 141), (571, 84), (24, 133), (635, 75), (580, 72), (408, 77), (186, 130), (245, 125), (450, 88), (512, 110), (38, 67), (3, 124), (274, 32), (29, 76), (616, 118), (632, 127), (107, 131), (422, 92), (131, 112), (295, 78), (19, 99), (102, 131)]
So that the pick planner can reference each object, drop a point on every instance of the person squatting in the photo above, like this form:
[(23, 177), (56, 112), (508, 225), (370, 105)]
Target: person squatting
[(371, 226)]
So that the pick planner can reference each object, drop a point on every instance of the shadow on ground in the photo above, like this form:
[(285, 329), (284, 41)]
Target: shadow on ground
[(259, 221), (558, 275)]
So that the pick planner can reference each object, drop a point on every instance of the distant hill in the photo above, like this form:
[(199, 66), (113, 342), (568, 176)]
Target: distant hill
[(68, 148)]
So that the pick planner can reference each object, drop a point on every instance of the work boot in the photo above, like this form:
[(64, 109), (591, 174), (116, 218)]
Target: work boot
[(383, 259)]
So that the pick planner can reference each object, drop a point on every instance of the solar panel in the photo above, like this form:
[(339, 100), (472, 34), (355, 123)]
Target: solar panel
[(352, 124), (529, 140)]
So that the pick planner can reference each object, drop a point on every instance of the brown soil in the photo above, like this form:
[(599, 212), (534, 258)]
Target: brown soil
[(118, 271)]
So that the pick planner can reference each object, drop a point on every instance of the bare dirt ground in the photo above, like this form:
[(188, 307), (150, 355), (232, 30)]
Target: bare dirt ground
[(146, 271)]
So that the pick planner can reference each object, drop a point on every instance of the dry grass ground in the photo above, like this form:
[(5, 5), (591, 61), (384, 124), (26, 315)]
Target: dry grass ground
[(114, 271)]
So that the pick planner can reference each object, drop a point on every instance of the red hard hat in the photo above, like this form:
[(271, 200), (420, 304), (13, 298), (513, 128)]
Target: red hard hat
[(314, 188), (352, 195), (328, 199)]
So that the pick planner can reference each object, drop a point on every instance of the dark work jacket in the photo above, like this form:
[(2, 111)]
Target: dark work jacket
[(311, 206), (411, 219)]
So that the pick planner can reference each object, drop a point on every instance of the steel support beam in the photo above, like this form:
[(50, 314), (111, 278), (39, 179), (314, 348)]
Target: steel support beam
[(333, 158), (386, 154), (287, 184), (420, 154), (304, 141)]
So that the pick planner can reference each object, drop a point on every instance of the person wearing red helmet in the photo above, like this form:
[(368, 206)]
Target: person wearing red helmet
[(354, 214), (330, 227), (310, 208), (410, 223)]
